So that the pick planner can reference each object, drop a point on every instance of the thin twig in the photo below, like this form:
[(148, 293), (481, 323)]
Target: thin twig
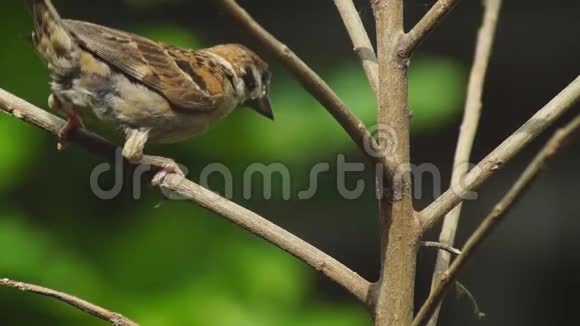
[(248, 220), (496, 216), (99, 312), (439, 245), (361, 41), (431, 19), (462, 290), (307, 77), (502, 154), (468, 131)]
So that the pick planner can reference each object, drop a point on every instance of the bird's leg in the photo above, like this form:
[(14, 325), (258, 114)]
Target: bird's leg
[(73, 120), (134, 143), (133, 152)]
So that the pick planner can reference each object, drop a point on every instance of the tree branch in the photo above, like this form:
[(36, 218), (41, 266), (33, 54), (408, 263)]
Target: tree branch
[(399, 226), (439, 245), (307, 77), (503, 153), (248, 220), (99, 312), (268, 231), (361, 41), (468, 132), (431, 19), (496, 216)]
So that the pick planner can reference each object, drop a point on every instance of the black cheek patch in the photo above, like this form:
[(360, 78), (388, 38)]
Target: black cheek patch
[(249, 80)]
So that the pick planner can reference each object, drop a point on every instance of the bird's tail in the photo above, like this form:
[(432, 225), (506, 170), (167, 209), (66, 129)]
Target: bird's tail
[(52, 40)]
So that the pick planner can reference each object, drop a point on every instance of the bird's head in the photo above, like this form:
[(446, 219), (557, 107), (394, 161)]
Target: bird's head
[(254, 74)]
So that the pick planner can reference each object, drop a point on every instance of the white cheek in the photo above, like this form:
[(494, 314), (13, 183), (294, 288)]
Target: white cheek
[(240, 87), (259, 91)]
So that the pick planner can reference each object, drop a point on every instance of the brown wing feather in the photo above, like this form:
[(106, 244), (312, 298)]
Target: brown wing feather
[(144, 60)]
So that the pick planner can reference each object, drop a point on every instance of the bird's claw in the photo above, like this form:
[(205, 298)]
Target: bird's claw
[(165, 169), (73, 123)]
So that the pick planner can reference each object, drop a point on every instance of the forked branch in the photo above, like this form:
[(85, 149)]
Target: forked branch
[(514, 144), (174, 183), (496, 216), (307, 77), (431, 19)]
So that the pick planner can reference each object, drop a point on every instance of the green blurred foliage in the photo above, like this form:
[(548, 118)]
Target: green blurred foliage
[(177, 264), (17, 152), (435, 91)]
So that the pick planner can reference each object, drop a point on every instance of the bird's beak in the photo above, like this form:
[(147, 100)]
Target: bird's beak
[(262, 106)]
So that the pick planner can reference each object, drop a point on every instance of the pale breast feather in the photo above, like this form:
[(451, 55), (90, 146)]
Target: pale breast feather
[(145, 61)]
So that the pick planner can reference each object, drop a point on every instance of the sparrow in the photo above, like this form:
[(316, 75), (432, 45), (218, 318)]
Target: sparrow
[(152, 91)]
